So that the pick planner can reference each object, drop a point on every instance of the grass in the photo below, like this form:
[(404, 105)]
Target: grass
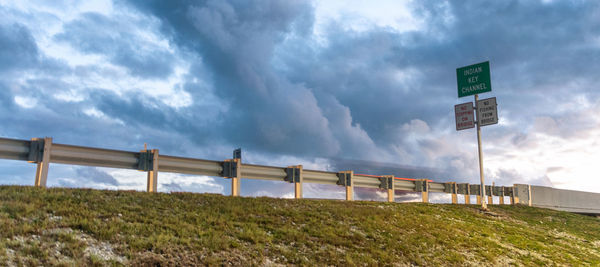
[(70, 227)]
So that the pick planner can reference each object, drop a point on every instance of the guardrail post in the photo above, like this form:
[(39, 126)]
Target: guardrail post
[(346, 179), (451, 187), (499, 191), (153, 174), (464, 189), (232, 169), (294, 175), (148, 162), (515, 196), (488, 192), (514, 199), (39, 152), (387, 182), (422, 185), (530, 201), (507, 192), (476, 189)]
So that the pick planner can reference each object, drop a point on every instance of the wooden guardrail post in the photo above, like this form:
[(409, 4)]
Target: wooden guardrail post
[(515, 196), (530, 199), (39, 152), (499, 191), (294, 175), (232, 169), (488, 192), (507, 192), (148, 162), (346, 179), (476, 189), (422, 185), (451, 188), (387, 182), (464, 189)]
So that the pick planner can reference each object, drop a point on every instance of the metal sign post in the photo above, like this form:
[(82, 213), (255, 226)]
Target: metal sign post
[(482, 191), (473, 80)]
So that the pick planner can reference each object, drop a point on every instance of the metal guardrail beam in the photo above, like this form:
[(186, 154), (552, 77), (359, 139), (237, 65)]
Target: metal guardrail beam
[(320, 177), (98, 157), (189, 166), (14, 149), (404, 185), (436, 187), (37, 151), (366, 181), (250, 171)]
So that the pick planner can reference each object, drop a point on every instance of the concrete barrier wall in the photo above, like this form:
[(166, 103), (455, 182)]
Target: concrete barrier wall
[(559, 199)]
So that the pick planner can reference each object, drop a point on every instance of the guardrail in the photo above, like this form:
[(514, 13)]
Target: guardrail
[(43, 152)]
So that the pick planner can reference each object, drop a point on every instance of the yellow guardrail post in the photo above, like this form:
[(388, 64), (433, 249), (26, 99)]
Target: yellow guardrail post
[(488, 192), (464, 189), (232, 169), (148, 162), (39, 152), (500, 193), (476, 189), (387, 182), (422, 185), (346, 179), (153, 173), (452, 188), (294, 175)]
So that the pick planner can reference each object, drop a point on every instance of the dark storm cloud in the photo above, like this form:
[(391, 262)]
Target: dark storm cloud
[(236, 42), (97, 34), (533, 48), (144, 112), (351, 97), (133, 109), (6, 99), (357, 68), (382, 168), (529, 45), (260, 80), (19, 52), (18, 48)]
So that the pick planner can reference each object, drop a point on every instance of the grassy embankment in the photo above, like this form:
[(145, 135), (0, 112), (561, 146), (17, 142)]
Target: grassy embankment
[(92, 227)]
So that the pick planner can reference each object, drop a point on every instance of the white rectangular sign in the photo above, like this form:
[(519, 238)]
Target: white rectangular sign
[(464, 116), (488, 111)]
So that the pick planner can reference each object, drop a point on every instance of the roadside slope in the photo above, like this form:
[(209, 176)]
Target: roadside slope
[(82, 226)]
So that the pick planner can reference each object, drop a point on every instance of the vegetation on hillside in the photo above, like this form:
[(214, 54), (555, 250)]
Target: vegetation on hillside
[(68, 227)]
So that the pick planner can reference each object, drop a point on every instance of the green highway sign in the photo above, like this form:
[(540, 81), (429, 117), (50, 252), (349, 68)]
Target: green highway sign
[(474, 79)]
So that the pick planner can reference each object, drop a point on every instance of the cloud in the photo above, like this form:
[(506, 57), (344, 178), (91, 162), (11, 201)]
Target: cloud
[(171, 182), (236, 42), (96, 176), (19, 49), (6, 98), (118, 38), (287, 82), (509, 177)]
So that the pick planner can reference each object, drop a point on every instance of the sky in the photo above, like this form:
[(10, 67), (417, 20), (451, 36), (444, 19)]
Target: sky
[(356, 85)]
